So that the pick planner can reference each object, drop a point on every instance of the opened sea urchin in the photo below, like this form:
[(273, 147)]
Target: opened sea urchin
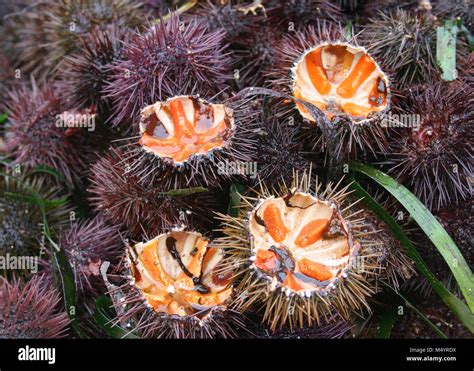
[(322, 66), (193, 142), (175, 288), (300, 255)]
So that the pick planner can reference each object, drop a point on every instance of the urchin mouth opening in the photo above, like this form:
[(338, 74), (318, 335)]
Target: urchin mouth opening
[(300, 243), (342, 80), (185, 127), (180, 275)]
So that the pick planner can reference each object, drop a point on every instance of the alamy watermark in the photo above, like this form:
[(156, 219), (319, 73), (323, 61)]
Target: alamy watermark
[(394, 120), (76, 119), (237, 168), (13, 262), (37, 354)]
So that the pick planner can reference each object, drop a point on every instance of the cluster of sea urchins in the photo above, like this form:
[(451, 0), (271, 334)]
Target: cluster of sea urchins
[(186, 160)]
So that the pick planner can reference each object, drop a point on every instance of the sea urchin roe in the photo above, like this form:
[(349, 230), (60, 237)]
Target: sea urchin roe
[(300, 242), (184, 126), (178, 274), (340, 79)]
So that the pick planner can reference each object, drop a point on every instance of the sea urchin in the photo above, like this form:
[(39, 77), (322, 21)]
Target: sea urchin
[(30, 311), (176, 288), (299, 254)]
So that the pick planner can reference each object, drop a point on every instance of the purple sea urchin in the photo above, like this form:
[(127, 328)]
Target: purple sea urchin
[(253, 53), (297, 255), (371, 8), (280, 150), (85, 73), (398, 267), (30, 311), (8, 7), (144, 207), (467, 70), (87, 244), (167, 60), (174, 287), (454, 9), (248, 33), (459, 223), (295, 14), (50, 30), (434, 158), (22, 34), (228, 15), (39, 133)]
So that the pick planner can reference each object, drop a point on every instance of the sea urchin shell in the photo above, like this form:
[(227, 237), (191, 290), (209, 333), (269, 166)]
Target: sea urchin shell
[(176, 287), (321, 66), (194, 142), (340, 78), (297, 254), (185, 126)]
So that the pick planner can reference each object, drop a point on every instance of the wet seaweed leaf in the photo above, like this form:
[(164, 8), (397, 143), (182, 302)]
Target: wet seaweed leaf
[(33, 200), (469, 37), (103, 305), (387, 320), (235, 196), (3, 118), (47, 170), (446, 49), (458, 307), (64, 273), (184, 192)]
